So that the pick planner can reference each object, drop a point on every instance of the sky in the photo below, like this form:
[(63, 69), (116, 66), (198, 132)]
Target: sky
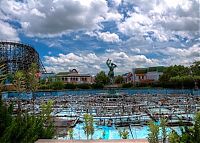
[(83, 34)]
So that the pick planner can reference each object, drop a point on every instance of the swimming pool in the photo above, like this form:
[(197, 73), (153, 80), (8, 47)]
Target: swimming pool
[(105, 132)]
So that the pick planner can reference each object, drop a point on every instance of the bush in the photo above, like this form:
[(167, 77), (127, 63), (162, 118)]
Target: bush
[(25, 128), (57, 85), (97, 86), (70, 86), (127, 85), (84, 86), (44, 86)]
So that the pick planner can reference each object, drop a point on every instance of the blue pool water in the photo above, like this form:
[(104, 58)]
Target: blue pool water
[(95, 92), (104, 132)]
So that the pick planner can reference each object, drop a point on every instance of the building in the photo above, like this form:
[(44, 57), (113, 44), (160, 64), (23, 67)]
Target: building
[(128, 77), (74, 77), (147, 75)]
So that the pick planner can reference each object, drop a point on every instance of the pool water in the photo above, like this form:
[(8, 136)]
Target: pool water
[(105, 132)]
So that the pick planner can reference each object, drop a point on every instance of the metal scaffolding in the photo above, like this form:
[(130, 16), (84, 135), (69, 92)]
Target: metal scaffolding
[(17, 56)]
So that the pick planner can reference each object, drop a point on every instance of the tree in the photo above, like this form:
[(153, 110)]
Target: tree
[(19, 83), (172, 71), (57, 85), (33, 81), (188, 134), (119, 79), (163, 128), (124, 134), (173, 137), (24, 127), (101, 78), (195, 68), (89, 127), (70, 132), (153, 133)]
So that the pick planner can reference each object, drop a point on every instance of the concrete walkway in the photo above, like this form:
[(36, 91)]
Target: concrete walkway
[(93, 141)]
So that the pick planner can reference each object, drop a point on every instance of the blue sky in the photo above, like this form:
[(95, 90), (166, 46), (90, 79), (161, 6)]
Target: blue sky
[(83, 34)]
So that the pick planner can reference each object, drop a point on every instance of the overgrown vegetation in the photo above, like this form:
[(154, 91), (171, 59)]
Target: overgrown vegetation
[(124, 134), (186, 135), (88, 127), (23, 127)]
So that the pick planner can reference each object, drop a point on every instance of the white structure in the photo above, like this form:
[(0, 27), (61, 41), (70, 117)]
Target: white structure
[(147, 75)]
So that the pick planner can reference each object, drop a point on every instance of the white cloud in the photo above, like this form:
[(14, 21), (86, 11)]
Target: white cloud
[(165, 18), (108, 37), (113, 15), (117, 2), (7, 32), (55, 17), (91, 63)]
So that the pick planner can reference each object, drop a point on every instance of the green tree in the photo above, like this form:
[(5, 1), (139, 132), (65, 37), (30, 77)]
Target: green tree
[(163, 129), (70, 133), (124, 134), (57, 85), (127, 85), (153, 133), (172, 71), (101, 78), (19, 83), (89, 127), (24, 127), (188, 134), (173, 137), (119, 79), (33, 81), (195, 68)]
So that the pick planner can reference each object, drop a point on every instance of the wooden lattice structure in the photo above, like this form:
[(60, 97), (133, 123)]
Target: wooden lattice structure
[(17, 56)]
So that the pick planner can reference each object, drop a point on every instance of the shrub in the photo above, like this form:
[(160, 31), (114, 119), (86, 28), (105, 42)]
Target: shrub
[(57, 85), (84, 86), (127, 85), (70, 86), (97, 86)]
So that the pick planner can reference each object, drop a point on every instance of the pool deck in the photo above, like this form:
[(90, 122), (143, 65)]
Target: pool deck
[(93, 141)]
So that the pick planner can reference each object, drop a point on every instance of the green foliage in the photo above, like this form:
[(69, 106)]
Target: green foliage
[(57, 85), (188, 134), (163, 129), (70, 86), (173, 137), (180, 76), (70, 133), (89, 127), (153, 133), (46, 110), (5, 116), (24, 127), (97, 86), (127, 85), (124, 134), (119, 79), (195, 68), (83, 86), (19, 81), (32, 78), (101, 78)]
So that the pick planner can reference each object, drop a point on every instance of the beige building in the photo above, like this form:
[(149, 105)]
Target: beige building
[(74, 77), (147, 75)]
